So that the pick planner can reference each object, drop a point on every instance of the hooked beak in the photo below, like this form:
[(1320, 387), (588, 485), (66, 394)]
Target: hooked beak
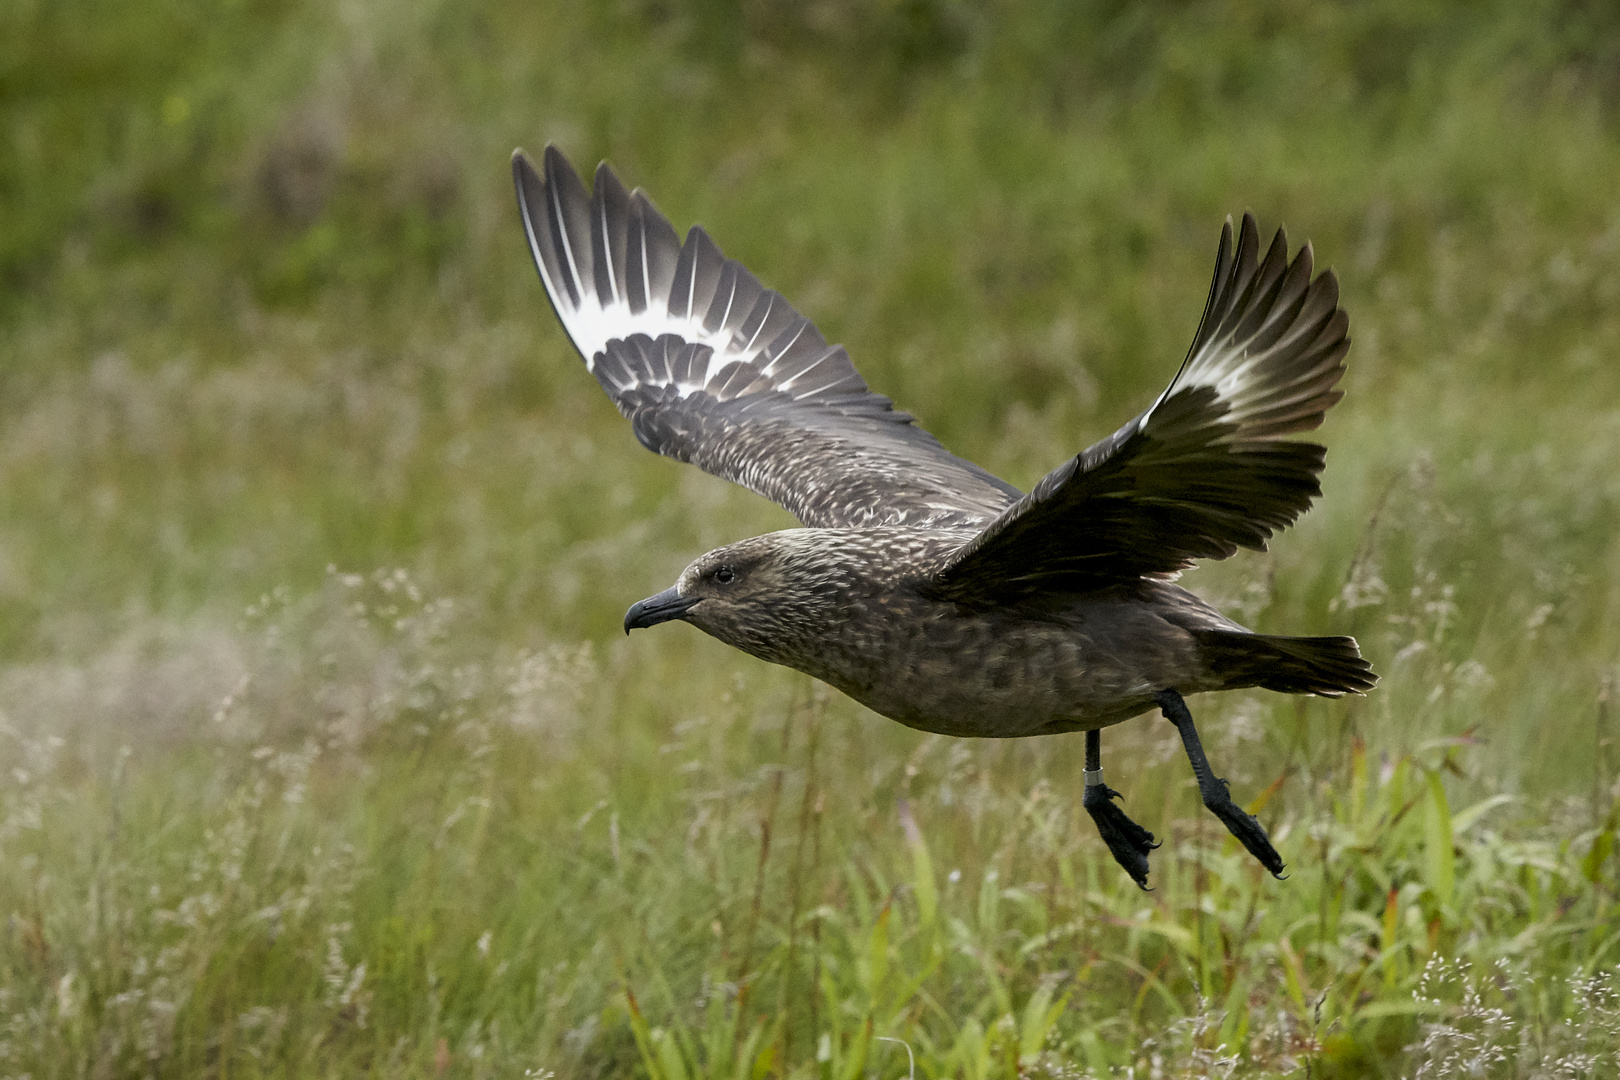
[(667, 605)]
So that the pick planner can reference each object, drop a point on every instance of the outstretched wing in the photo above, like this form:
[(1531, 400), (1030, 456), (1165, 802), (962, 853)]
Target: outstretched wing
[(1204, 471), (712, 368)]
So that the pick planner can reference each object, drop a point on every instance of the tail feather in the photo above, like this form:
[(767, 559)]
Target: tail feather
[(1329, 666)]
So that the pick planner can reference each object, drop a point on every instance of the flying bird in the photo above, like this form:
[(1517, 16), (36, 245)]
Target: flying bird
[(921, 585)]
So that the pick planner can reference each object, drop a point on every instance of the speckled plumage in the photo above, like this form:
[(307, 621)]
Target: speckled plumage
[(923, 586), (850, 606)]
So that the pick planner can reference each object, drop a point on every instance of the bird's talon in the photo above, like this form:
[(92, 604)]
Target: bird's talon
[(1127, 841), (1250, 833)]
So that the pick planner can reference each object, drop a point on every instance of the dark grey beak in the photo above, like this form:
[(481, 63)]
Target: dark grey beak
[(667, 605)]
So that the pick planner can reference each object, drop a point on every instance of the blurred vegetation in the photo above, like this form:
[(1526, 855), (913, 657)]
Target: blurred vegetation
[(325, 755)]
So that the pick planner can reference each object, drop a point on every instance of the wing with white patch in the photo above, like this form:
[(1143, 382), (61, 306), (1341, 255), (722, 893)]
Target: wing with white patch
[(1204, 471), (712, 368)]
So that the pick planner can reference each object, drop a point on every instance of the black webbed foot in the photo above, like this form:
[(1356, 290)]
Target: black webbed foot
[(1248, 830), (1239, 822), (1127, 841)]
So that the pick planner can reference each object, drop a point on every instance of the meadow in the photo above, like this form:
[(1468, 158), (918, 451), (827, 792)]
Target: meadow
[(324, 755)]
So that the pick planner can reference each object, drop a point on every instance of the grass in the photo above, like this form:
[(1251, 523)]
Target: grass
[(324, 754)]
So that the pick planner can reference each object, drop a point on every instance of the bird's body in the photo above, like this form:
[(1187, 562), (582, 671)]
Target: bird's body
[(923, 586), (852, 608)]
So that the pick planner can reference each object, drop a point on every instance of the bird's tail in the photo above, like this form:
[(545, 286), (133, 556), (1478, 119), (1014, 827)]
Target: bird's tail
[(1329, 666)]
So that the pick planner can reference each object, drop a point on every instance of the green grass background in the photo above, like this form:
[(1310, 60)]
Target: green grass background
[(324, 755)]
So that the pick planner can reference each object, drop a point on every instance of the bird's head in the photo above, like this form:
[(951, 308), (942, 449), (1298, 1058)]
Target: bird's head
[(764, 595)]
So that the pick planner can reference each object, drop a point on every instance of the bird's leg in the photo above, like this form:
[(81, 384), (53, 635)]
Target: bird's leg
[(1217, 798), (1127, 841)]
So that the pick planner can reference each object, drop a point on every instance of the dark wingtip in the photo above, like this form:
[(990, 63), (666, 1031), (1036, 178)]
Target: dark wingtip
[(1328, 281), (526, 184), (1281, 237), (1248, 239), (523, 172), (559, 170)]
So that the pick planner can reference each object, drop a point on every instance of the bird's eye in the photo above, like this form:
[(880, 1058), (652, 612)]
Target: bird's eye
[(725, 575)]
